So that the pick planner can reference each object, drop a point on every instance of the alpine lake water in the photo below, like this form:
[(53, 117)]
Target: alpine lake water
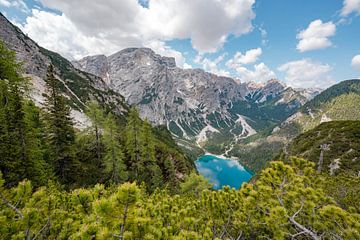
[(222, 172)]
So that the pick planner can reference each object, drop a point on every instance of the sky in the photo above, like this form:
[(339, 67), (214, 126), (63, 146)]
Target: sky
[(303, 43)]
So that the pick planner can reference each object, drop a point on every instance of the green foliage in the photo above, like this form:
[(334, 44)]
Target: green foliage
[(194, 184), (61, 134), (286, 202), (21, 145), (343, 143), (114, 156), (256, 156), (345, 87)]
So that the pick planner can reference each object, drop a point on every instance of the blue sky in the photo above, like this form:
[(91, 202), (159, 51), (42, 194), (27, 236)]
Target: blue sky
[(304, 43)]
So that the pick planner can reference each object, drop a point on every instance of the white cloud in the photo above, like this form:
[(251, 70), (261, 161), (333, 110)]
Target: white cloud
[(261, 73), (350, 6), (316, 36), (127, 23), (307, 73), (212, 65), (58, 33), (161, 48), (19, 4), (5, 3), (240, 59), (355, 63), (264, 36)]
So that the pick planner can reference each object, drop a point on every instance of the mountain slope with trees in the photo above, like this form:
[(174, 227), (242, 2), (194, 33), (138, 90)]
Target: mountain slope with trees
[(337, 103), (42, 144)]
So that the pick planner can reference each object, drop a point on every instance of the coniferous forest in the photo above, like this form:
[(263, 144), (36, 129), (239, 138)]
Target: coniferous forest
[(129, 181)]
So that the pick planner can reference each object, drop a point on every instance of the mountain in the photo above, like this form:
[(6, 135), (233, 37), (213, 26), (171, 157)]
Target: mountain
[(196, 106), (337, 103), (78, 86), (334, 147)]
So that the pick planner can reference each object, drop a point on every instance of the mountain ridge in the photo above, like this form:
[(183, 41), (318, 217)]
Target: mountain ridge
[(192, 103)]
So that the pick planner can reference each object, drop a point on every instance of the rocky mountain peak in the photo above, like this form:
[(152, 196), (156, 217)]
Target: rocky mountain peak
[(143, 56)]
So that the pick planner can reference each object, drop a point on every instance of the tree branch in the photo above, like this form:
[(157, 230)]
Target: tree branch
[(301, 227), (7, 203)]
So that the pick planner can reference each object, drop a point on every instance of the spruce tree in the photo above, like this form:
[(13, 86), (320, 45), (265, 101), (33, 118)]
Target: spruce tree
[(15, 160), (39, 170), (61, 134), (114, 156)]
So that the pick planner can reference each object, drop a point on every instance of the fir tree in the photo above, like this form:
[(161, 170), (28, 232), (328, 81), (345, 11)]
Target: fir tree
[(61, 134), (16, 161), (39, 170)]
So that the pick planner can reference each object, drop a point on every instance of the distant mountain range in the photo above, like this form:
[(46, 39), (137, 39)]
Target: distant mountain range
[(196, 106)]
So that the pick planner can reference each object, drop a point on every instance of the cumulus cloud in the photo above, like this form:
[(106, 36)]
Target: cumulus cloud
[(164, 50), (307, 73), (350, 6), (58, 33), (355, 63), (260, 73), (127, 23), (212, 65), (240, 59), (316, 36)]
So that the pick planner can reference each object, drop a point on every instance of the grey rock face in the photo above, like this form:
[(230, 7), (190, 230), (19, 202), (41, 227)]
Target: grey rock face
[(186, 100)]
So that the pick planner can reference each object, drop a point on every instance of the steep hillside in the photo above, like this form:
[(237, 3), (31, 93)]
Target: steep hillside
[(78, 86), (339, 102), (333, 146)]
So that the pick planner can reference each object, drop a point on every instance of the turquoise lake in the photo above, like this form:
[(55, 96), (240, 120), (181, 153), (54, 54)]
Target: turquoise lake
[(222, 172)]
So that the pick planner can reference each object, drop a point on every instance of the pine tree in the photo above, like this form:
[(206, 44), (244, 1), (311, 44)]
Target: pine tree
[(61, 134), (114, 156)]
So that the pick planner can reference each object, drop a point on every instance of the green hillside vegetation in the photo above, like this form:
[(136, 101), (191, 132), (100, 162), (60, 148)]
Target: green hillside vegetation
[(343, 107), (339, 102), (340, 164), (41, 144), (286, 202), (344, 87), (342, 153)]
